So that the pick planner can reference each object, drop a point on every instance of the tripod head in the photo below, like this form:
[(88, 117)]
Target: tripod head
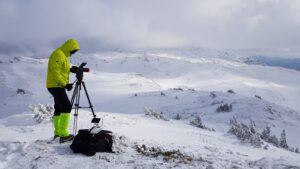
[(79, 71)]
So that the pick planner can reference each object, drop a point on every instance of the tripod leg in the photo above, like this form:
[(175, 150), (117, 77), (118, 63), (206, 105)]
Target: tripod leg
[(76, 98), (74, 95), (90, 104)]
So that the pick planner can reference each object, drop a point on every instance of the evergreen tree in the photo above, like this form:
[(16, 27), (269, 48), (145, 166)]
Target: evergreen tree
[(266, 134), (252, 126), (283, 142), (177, 117)]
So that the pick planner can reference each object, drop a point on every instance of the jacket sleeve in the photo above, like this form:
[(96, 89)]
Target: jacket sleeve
[(55, 65)]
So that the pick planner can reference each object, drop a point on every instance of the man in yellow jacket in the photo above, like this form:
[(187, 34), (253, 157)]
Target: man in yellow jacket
[(57, 83)]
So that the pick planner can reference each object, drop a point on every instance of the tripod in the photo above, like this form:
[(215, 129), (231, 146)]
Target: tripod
[(76, 99)]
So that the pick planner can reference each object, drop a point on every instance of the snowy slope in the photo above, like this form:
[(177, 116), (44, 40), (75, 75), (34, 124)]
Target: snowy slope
[(205, 72), (177, 82), (197, 148)]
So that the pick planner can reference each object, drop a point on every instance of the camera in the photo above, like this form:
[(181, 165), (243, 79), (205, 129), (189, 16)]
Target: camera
[(79, 71)]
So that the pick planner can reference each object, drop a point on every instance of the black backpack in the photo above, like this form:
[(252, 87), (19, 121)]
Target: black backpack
[(89, 143)]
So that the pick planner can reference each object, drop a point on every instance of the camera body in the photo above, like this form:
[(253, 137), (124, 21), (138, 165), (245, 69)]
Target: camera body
[(79, 71)]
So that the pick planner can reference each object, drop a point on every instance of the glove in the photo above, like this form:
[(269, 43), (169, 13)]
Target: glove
[(69, 87)]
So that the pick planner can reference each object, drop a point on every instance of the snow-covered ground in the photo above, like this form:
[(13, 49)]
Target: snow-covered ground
[(179, 83)]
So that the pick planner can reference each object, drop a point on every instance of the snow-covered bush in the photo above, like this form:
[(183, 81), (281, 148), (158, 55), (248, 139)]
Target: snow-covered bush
[(224, 108), (197, 122), (42, 111), (245, 133), (297, 150), (146, 59), (21, 91), (252, 61), (212, 95), (178, 89), (154, 114), (259, 97), (177, 117), (17, 58), (193, 90), (121, 143), (216, 102), (271, 110), (267, 137), (266, 147), (274, 140), (292, 149), (167, 155)]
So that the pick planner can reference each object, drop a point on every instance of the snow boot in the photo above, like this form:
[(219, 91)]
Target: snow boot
[(70, 137), (56, 120), (63, 124)]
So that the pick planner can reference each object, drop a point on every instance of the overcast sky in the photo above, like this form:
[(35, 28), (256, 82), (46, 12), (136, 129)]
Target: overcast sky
[(38, 25)]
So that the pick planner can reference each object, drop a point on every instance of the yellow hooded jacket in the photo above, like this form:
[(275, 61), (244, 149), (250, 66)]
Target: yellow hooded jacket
[(59, 64)]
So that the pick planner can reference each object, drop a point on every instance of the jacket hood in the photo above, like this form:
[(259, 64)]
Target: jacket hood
[(69, 46)]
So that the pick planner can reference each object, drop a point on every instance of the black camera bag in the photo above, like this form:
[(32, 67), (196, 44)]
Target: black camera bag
[(89, 143), (103, 141)]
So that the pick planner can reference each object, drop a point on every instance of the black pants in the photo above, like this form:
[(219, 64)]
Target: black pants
[(61, 101)]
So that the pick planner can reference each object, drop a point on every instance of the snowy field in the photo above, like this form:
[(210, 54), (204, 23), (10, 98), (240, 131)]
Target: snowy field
[(149, 99)]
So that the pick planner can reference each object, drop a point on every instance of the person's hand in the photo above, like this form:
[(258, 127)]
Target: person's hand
[(69, 86)]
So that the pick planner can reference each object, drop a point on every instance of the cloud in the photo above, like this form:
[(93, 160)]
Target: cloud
[(35, 26), (257, 21)]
